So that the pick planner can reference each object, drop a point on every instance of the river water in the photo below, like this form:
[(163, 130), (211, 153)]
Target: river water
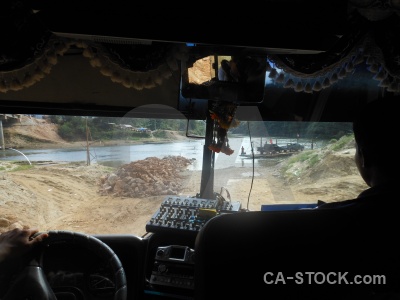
[(117, 155), (109, 155)]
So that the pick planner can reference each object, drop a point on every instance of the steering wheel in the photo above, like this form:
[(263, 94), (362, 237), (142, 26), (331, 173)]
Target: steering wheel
[(31, 283)]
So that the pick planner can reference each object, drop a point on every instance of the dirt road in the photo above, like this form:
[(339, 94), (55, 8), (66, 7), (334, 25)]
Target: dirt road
[(67, 196)]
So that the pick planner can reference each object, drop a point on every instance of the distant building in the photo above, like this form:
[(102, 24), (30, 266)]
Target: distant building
[(126, 126), (142, 129)]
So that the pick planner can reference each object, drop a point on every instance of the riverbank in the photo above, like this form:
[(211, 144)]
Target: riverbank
[(33, 133), (69, 196), (74, 196), (84, 144), (44, 137)]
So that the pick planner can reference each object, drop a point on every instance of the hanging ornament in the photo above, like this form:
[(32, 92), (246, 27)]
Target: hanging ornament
[(223, 115)]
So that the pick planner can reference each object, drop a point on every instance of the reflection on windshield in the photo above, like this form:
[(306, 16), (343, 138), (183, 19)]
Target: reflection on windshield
[(99, 175)]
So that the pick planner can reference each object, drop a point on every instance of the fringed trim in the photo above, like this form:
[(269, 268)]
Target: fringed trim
[(30, 74), (367, 52), (133, 79), (377, 65), (310, 83)]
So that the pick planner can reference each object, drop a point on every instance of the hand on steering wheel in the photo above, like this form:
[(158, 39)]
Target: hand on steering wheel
[(31, 283)]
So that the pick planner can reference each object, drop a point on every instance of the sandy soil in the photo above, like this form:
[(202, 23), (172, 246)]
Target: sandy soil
[(66, 196)]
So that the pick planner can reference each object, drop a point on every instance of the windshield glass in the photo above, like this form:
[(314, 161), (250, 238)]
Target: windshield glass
[(110, 175)]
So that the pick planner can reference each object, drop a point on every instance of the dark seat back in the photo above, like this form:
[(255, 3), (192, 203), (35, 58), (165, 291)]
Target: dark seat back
[(301, 254)]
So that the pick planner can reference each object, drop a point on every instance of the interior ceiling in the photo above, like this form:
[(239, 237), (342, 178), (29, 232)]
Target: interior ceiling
[(108, 58), (308, 25)]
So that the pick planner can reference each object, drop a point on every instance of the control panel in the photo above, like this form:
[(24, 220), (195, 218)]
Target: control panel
[(187, 214), (173, 267)]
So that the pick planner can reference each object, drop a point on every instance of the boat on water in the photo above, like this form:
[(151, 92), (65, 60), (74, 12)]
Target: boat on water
[(267, 155)]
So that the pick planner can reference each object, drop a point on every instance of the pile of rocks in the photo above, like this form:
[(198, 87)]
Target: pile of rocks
[(149, 177)]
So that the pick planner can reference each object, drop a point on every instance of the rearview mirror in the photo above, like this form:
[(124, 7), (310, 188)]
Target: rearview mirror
[(239, 79)]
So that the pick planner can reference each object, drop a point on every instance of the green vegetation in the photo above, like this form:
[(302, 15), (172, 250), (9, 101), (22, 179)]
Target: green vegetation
[(313, 160), (77, 128), (163, 134), (22, 168), (342, 143), (303, 130), (309, 156), (74, 128), (296, 164), (15, 166)]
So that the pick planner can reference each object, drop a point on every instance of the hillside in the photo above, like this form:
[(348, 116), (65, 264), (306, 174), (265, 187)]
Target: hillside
[(74, 197), (70, 197), (29, 132)]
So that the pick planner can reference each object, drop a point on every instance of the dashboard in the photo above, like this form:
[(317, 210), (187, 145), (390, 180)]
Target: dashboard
[(158, 265), (145, 265)]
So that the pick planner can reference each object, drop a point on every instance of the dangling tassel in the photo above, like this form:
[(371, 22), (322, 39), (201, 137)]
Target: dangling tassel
[(106, 71), (157, 78), (138, 84), (342, 73), (95, 62), (326, 83), (268, 67), (394, 86), (273, 73), (334, 78), (298, 87), (127, 82), (289, 83), (16, 85), (149, 83), (52, 57), (358, 59), (370, 60), (317, 86), (3, 86), (385, 82), (373, 68), (280, 78), (380, 75), (28, 80), (116, 77), (349, 67), (308, 88)]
